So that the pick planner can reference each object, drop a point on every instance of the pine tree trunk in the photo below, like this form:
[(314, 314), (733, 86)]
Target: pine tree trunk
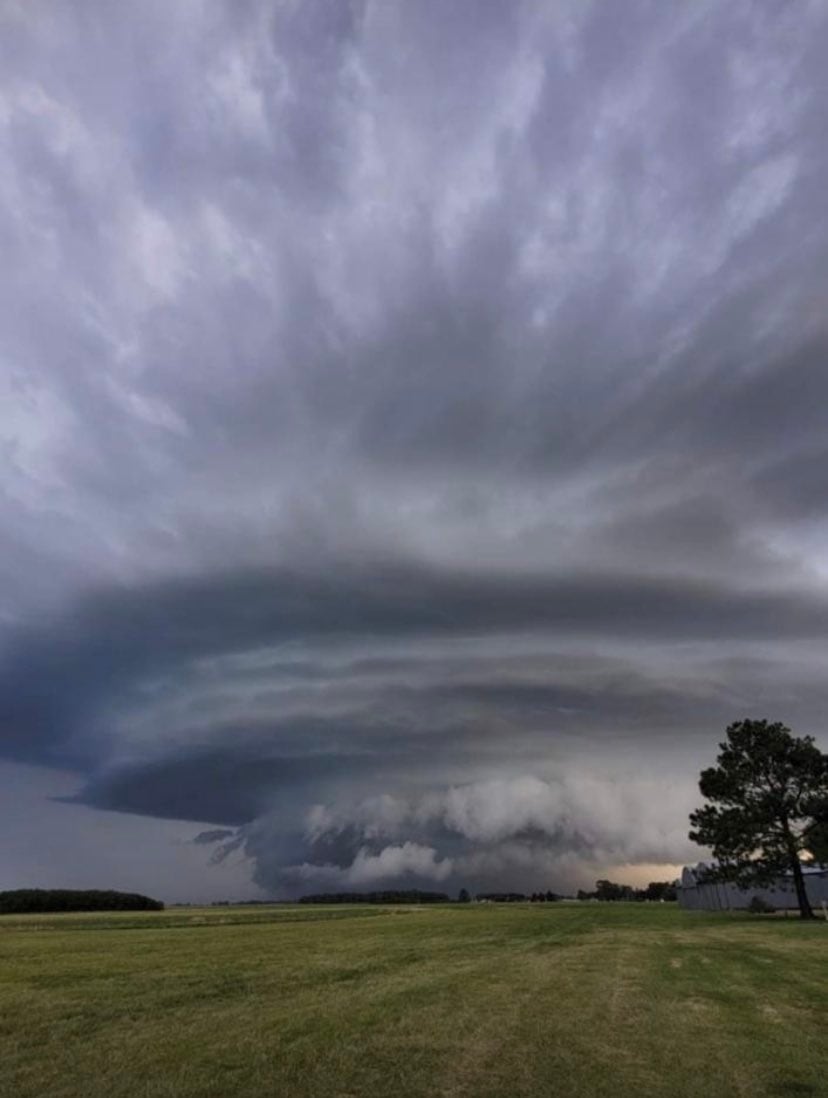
[(805, 910)]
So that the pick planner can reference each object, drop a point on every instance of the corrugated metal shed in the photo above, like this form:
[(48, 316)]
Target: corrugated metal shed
[(697, 894)]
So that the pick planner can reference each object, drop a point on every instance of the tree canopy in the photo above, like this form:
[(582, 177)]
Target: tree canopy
[(24, 901), (768, 797), (387, 896), (609, 891)]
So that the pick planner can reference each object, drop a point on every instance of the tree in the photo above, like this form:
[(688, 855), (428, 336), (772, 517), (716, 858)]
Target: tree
[(658, 890), (768, 795), (37, 900), (609, 890), (464, 897)]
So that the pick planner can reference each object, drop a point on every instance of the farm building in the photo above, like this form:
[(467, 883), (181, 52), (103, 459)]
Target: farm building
[(697, 894)]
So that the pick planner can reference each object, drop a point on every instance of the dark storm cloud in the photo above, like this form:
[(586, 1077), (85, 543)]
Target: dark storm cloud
[(213, 835), (59, 684), (227, 785), (401, 399)]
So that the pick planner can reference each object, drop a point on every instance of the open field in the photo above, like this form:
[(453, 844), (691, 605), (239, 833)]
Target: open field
[(572, 1000)]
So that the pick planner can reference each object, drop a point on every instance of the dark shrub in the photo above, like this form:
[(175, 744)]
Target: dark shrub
[(758, 906)]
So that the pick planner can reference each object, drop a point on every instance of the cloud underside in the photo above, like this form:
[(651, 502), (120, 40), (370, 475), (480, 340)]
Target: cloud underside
[(413, 421), (380, 697)]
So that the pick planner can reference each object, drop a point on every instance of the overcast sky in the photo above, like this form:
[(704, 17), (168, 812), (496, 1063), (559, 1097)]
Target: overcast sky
[(414, 433)]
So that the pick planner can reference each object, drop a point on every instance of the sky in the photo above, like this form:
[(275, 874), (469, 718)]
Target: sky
[(413, 434)]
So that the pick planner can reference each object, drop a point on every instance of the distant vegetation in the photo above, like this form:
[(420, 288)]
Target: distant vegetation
[(391, 896), (604, 890), (24, 901), (610, 891), (509, 897)]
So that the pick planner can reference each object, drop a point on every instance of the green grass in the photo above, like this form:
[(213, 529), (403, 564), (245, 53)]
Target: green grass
[(581, 1001)]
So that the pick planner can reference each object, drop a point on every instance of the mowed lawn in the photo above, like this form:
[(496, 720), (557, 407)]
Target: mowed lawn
[(559, 999)]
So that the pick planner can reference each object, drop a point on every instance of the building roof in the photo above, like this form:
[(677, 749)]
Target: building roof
[(690, 874)]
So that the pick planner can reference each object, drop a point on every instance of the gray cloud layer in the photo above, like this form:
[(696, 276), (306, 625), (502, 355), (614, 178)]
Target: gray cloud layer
[(410, 401)]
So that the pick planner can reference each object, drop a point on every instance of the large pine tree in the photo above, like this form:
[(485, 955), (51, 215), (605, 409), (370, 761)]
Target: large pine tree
[(769, 806)]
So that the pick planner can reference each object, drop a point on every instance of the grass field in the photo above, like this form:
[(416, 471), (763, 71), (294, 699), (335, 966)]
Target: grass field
[(560, 999)]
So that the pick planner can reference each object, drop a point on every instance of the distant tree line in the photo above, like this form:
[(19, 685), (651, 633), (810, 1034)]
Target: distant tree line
[(24, 901), (604, 890), (609, 891), (390, 896), (517, 897), (501, 897)]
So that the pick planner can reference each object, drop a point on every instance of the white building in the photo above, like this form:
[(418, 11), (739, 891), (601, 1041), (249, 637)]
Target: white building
[(696, 894)]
